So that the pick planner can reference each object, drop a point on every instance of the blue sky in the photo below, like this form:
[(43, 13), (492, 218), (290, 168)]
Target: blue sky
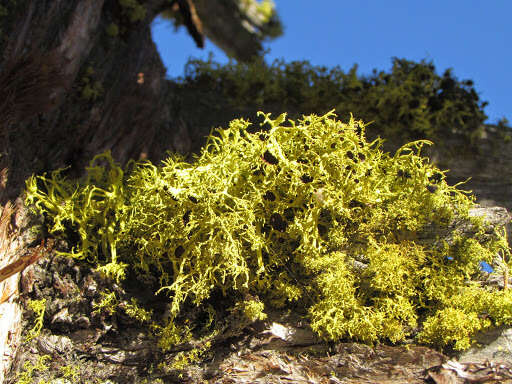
[(474, 37)]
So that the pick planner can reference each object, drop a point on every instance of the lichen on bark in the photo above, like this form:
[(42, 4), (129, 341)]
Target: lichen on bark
[(304, 214)]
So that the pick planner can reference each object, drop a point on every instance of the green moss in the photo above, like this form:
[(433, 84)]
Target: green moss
[(411, 101), (112, 30), (305, 214), (91, 89), (133, 9), (503, 129)]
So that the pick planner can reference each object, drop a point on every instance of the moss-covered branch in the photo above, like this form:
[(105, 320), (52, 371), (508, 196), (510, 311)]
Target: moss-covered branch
[(411, 101)]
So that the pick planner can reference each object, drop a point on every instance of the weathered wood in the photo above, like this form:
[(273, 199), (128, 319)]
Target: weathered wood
[(15, 237), (24, 261)]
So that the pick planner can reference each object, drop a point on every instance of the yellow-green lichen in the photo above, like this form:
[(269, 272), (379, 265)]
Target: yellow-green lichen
[(450, 326), (171, 334), (38, 307), (265, 9), (33, 372), (306, 214), (70, 372), (107, 304), (135, 311), (184, 359), (91, 208), (252, 310), (26, 376)]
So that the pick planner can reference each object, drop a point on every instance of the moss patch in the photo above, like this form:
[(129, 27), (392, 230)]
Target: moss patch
[(411, 101)]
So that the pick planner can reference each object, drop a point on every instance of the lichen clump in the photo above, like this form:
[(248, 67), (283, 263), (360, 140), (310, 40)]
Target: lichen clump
[(38, 307), (305, 214)]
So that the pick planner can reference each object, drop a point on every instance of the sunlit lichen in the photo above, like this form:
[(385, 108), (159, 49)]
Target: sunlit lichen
[(107, 304), (26, 375), (70, 372), (171, 334), (135, 311), (253, 310), (90, 210), (265, 9), (305, 213), (450, 326), (38, 307), (184, 359)]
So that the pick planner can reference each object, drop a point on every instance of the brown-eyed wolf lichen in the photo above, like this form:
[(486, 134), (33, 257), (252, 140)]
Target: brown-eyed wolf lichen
[(304, 214)]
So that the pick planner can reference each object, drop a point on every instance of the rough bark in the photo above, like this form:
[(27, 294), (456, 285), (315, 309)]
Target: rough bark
[(486, 163), (17, 242), (84, 76), (241, 40), (80, 124)]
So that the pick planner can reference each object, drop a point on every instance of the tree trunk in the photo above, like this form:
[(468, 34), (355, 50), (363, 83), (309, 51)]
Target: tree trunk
[(79, 77)]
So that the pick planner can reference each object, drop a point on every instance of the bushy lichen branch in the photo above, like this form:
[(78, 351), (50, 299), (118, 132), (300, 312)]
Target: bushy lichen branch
[(305, 213)]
